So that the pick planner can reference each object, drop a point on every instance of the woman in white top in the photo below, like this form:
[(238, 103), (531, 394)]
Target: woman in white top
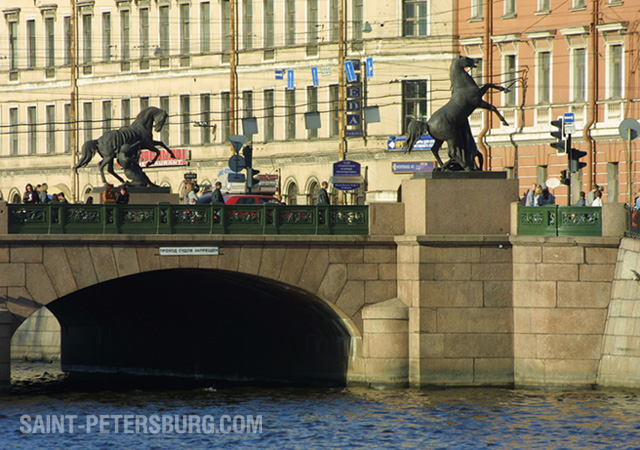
[(598, 200)]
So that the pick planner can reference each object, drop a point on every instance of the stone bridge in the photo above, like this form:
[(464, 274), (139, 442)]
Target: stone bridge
[(433, 295)]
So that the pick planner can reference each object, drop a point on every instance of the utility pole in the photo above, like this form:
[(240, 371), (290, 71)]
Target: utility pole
[(73, 68), (342, 146)]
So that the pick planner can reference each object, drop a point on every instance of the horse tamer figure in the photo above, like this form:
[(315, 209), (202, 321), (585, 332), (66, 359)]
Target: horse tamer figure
[(450, 123), (125, 144)]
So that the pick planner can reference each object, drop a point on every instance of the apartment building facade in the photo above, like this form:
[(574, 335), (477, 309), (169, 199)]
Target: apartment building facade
[(577, 57), (70, 72)]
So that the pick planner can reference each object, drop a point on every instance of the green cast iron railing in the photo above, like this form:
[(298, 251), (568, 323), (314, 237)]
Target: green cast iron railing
[(165, 218), (557, 220)]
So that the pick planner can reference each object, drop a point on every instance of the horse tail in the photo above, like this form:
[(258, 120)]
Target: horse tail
[(414, 131), (89, 149)]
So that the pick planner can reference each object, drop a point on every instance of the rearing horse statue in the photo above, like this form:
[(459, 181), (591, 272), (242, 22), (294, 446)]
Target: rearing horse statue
[(450, 123), (137, 136)]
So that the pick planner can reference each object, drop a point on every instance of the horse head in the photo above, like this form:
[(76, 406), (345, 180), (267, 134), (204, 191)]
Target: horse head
[(462, 62), (160, 117)]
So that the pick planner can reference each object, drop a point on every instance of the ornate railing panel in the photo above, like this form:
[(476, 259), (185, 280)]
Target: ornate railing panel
[(165, 218), (557, 220)]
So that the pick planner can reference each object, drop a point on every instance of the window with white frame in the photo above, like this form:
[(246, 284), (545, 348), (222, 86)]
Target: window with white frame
[(205, 27), (13, 44), (32, 130), (312, 106), (143, 19), (269, 23), (477, 7), (31, 44), (510, 74), (107, 116), (290, 22), (87, 118), (334, 108), (334, 24), (269, 114), (205, 116), (164, 105), (415, 17), (13, 131), (225, 104), (290, 114), (125, 35), (414, 102), (50, 49), (226, 26), (86, 38), (614, 71), (66, 29), (51, 129), (509, 8), (106, 36), (247, 24), (312, 22), (185, 113), (68, 127), (544, 5), (185, 34), (125, 106), (164, 28), (579, 75), (543, 77)]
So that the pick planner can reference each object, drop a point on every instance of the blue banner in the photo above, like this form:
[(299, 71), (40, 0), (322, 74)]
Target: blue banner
[(397, 143)]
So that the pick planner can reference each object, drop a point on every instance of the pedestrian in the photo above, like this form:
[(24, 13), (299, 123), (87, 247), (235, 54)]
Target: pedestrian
[(537, 195), (216, 195), (582, 200), (591, 196), (530, 195), (191, 197), (122, 197), (108, 196), (43, 194), (62, 198), (54, 198), (323, 195), (546, 198), (598, 200), (30, 195)]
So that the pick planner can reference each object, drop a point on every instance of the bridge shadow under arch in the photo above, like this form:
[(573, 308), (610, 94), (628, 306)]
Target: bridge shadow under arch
[(202, 324)]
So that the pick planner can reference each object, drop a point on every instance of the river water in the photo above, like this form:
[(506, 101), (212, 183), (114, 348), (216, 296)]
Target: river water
[(43, 412)]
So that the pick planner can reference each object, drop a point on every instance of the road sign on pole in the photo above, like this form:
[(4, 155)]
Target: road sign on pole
[(369, 64), (569, 123), (351, 72)]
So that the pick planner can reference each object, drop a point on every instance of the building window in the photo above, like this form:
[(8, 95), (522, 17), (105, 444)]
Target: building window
[(165, 47), (49, 26), (544, 6), (144, 103), (185, 112), (544, 78), (106, 36), (414, 101), (612, 182), (579, 3), (205, 27), (31, 44), (510, 75), (66, 25), (415, 17), (477, 72), (509, 8), (615, 71), (290, 114), (292, 193), (185, 35), (87, 117), (106, 116), (125, 37), (290, 22), (477, 9), (13, 45), (226, 119), (164, 134), (334, 23), (334, 109), (13, 130), (144, 33), (357, 22), (205, 116), (68, 126), (86, 38), (51, 129), (126, 111), (247, 104), (579, 91), (312, 24), (32, 132), (269, 113), (226, 27), (247, 22), (269, 21), (312, 106), (541, 175)]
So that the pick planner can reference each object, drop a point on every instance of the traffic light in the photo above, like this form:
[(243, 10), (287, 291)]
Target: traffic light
[(251, 181), (564, 177), (247, 152), (574, 160), (560, 145)]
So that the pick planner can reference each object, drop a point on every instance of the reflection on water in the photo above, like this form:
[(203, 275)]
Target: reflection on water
[(304, 418)]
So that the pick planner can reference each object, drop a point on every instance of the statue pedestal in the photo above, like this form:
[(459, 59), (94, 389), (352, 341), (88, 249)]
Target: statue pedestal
[(460, 203), (140, 195)]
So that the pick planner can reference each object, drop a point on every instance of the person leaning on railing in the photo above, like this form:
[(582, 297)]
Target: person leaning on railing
[(108, 196)]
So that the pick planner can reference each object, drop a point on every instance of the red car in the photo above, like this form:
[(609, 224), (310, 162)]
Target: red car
[(242, 199)]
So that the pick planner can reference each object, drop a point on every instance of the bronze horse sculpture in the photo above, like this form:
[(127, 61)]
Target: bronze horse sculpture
[(450, 122), (126, 143)]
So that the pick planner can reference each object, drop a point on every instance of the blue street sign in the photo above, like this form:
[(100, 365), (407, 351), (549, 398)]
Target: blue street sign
[(412, 166), (397, 143), (314, 76), (351, 73), (290, 85), (369, 65), (569, 117), (279, 74), (346, 175), (569, 123)]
